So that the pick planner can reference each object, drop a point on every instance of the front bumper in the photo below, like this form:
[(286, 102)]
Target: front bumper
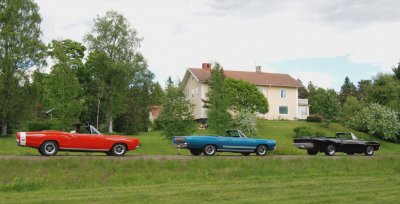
[(304, 145), (181, 145)]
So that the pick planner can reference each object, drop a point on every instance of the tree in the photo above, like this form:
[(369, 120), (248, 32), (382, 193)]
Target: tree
[(157, 94), (303, 92), (377, 120), (20, 49), (325, 103), (311, 87), (347, 89), (177, 114), (219, 119), (396, 71), (349, 108), (244, 96), (63, 90), (364, 86), (385, 91), (138, 100), (113, 38)]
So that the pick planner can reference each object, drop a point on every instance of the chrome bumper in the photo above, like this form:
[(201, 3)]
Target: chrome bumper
[(181, 145), (304, 145)]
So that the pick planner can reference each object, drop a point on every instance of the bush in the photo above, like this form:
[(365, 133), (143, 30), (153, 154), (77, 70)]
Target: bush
[(307, 131), (246, 122), (314, 118), (43, 125), (377, 120)]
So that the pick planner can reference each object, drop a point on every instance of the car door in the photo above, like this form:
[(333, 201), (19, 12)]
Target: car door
[(89, 141)]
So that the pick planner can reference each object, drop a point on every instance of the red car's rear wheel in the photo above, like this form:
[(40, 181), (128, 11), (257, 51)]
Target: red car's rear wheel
[(48, 148)]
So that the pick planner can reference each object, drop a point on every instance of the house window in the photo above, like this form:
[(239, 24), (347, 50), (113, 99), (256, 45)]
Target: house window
[(192, 92), (283, 110), (283, 93)]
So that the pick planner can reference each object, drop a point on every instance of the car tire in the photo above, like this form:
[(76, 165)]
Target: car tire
[(49, 148), (330, 150), (261, 150), (369, 151), (40, 151), (209, 150), (195, 152), (246, 153), (312, 151), (119, 150)]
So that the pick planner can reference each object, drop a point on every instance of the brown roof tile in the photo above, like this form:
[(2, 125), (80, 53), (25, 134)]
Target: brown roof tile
[(257, 78)]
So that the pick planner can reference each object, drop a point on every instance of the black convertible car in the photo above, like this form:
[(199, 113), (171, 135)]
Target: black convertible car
[(345, 142)]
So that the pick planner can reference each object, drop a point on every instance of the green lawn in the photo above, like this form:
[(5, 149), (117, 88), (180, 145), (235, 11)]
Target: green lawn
[(152, 143), (319, 179)]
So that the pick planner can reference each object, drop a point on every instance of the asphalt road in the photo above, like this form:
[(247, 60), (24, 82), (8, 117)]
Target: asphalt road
[(181, 157)]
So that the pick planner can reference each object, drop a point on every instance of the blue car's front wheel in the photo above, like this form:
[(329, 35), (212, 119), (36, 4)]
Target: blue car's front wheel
[(261, 150), (209, 150)]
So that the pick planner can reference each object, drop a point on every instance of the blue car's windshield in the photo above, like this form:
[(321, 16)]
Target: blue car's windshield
[(235, 133)]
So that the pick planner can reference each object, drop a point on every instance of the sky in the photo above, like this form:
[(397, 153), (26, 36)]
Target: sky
[(313, 40)]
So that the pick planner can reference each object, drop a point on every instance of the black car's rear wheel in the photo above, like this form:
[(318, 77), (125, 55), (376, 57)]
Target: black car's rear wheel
[(245, 153), (312, 151), (330, 150), (209, 150), (369, 151), (195, 152), (261, 150)]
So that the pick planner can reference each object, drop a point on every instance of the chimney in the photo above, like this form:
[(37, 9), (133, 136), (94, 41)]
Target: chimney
[(206, 66), (258, 68)]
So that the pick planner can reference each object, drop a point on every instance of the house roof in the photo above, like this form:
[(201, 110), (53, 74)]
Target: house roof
[(257, 78)]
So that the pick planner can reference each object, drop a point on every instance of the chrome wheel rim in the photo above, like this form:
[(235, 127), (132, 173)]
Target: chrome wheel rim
[(49, 148), (370, 150), (262, 150), (331, 150), (119, 149), (210, 149)]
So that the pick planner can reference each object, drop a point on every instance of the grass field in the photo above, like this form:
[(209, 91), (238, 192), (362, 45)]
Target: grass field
[(152, 143), (232, 179), (303, 179)]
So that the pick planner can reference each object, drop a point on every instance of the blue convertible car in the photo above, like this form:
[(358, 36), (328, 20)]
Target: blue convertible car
[(234, 141)]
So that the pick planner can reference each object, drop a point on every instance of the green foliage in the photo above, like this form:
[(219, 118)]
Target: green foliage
[(176, 116), (246, 122), (244, 96), (377, 120), (396, 71), (63, 91), (219, 119), (347, 89), (385, 91), (157, 94), (113, 42), (39, 125), (303, 92), (20, 49), (325, 103), (364, 87), (350, 107), (314, 118), (139, 98), (302, 131)]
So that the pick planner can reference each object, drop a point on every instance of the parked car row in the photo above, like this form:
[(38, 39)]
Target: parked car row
[(50, 142)]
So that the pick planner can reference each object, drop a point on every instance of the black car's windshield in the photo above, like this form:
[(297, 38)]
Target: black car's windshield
[(346, 135)]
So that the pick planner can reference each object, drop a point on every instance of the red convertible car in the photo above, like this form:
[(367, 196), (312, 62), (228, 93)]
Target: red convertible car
[(49, 142)]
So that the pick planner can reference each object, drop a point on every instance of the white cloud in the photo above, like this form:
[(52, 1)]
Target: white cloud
[(319, 79), (180, 34)]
